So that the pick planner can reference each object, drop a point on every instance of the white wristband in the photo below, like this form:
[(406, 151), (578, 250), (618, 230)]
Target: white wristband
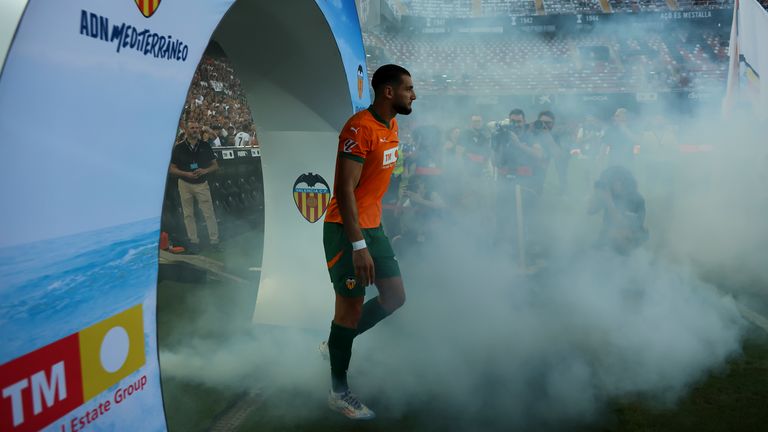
[(360, 244)]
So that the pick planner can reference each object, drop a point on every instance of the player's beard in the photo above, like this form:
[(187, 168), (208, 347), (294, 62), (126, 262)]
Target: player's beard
[(402, 109)]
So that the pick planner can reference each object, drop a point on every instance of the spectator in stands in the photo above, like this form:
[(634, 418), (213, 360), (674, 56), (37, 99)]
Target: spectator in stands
[(254, 138), (192, 161), (616, 196), (211, 137), (242, 138), (621, 139), (230, 135)]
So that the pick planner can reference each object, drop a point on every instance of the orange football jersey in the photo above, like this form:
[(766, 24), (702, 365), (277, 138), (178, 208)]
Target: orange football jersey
[(368, 139)]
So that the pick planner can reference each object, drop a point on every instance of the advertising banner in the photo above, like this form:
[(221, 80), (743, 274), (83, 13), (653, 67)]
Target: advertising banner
[(345, 25), (90, 97), (748, 58)]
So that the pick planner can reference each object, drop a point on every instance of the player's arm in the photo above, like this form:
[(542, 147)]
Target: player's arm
[(349, 176)]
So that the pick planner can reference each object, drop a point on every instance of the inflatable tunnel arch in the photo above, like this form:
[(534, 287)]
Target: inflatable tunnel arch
[(301, 88), (90, 96)]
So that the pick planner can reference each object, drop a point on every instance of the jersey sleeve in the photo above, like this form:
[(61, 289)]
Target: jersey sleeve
[(354, 142)]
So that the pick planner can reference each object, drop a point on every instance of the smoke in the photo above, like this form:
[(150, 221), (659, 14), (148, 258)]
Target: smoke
[(482, 345)]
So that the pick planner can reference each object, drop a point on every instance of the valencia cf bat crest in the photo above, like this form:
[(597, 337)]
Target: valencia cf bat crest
[(147, 7), (311, 194), (350, 283), (360, 81)]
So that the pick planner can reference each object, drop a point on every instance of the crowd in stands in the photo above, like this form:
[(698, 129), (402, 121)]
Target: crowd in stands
[(217, 102), (229, 201), (608, 63), (489, 8)]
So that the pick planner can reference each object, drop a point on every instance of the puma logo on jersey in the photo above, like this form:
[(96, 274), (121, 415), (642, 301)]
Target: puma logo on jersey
[(390, 156), (349, 145)]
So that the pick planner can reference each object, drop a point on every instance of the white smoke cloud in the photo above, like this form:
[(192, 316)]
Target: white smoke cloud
[(484, 346)]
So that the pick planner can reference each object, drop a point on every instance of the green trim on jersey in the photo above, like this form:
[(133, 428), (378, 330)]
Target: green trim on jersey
[(379, 118), (353, 157)]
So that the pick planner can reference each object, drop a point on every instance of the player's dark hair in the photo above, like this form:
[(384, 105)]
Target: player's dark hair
[(549, 114), (517, 111), (389, 74)]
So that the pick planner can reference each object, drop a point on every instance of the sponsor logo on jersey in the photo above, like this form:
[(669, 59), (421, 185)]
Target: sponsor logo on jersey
[(147, 7), (389, 157), (311, 194)]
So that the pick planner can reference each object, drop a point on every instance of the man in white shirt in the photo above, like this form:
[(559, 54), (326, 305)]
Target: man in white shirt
[(242, 139)]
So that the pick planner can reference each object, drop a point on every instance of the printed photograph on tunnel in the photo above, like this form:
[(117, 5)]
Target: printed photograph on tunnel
[(213, 216)]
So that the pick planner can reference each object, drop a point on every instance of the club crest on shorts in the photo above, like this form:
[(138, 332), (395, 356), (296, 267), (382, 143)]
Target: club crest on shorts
[(350, 283), (311, 194), (147, 7)]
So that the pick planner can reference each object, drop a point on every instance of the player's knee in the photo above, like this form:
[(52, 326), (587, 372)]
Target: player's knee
[(349, 315), (349, 320)]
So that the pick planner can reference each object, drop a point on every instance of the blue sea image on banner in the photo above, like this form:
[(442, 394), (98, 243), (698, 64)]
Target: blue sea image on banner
[(54, 288)]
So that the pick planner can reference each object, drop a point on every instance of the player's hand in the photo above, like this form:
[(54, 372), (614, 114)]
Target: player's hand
[(190, 175), (364, 269), (198, 172)]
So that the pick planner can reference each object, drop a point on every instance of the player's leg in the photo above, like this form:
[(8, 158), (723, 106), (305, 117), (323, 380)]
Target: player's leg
[(343, 331), (391, 297), (389, 282)]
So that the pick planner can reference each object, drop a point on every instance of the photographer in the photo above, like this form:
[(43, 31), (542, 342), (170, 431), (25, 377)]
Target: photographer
[(558, 149), (621, 139), (475, 144), (515, 162), (542, 147), (615, 194)]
